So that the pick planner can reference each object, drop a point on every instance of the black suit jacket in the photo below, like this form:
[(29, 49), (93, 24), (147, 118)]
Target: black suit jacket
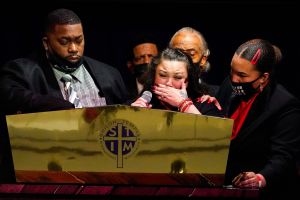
[(132, 89), (269, 140), (29, 85)]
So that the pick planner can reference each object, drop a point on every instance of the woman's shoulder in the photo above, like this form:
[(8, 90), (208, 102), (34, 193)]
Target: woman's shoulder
[(282, 97), (281, 101)]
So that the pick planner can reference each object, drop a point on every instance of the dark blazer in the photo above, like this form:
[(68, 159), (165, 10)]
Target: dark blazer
[(269, 140), (29, 85), (205, 108), (132, 89)]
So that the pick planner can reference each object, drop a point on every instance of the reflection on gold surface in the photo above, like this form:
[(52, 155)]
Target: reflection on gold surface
[(178, 167), (119, 139)]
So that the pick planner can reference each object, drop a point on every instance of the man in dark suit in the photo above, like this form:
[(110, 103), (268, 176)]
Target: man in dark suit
[(35, 84), (142, 49), (60, 77)]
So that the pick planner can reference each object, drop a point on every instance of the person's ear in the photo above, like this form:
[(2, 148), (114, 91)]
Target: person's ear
[(263, 81), (204, 57), (203, 60), (45, 43), (265, 77)]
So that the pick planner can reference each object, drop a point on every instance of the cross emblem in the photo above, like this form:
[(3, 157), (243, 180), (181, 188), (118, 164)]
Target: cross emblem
[(120, 140)]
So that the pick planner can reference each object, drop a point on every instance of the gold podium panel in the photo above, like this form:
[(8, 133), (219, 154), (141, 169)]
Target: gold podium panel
[(119, 139)]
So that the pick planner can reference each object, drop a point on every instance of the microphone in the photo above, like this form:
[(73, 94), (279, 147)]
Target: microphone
[(147, 96)]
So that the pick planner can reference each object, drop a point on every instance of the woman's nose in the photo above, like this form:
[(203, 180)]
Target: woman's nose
[(147, 59), (169, 82)]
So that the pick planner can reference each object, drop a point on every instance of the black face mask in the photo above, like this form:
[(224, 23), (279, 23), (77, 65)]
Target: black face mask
[(244, 89), (62, 64), (139, 70), (197, 66)]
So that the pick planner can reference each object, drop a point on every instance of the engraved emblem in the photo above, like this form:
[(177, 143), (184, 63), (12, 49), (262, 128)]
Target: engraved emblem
[(119, 139)]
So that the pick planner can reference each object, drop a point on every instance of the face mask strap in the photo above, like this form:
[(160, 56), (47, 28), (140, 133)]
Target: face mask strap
[(255, 80)]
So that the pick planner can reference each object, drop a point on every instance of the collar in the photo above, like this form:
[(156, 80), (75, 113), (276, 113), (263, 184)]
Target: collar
[(77, 74)]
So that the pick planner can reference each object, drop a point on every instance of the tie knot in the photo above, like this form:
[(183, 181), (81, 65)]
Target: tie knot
[(66, 78)]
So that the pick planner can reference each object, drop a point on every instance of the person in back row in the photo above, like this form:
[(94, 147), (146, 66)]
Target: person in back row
[(193, 43), (143, 49)]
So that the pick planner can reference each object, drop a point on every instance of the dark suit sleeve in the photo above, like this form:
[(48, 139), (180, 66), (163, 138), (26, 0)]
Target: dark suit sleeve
[(120, 90), (24, 88), (285, 147), (208, 109), (224, 95)]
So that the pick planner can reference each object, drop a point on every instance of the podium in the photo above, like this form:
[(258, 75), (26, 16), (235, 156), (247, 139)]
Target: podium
[(119, 152), (119, 145)]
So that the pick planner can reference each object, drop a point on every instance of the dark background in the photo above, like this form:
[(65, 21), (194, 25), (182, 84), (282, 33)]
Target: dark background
[(109, 26)]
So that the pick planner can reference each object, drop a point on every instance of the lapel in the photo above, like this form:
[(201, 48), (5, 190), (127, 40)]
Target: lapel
[(259, 113), (132, 89), (255, 123), (97, 74), (52, 84)]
